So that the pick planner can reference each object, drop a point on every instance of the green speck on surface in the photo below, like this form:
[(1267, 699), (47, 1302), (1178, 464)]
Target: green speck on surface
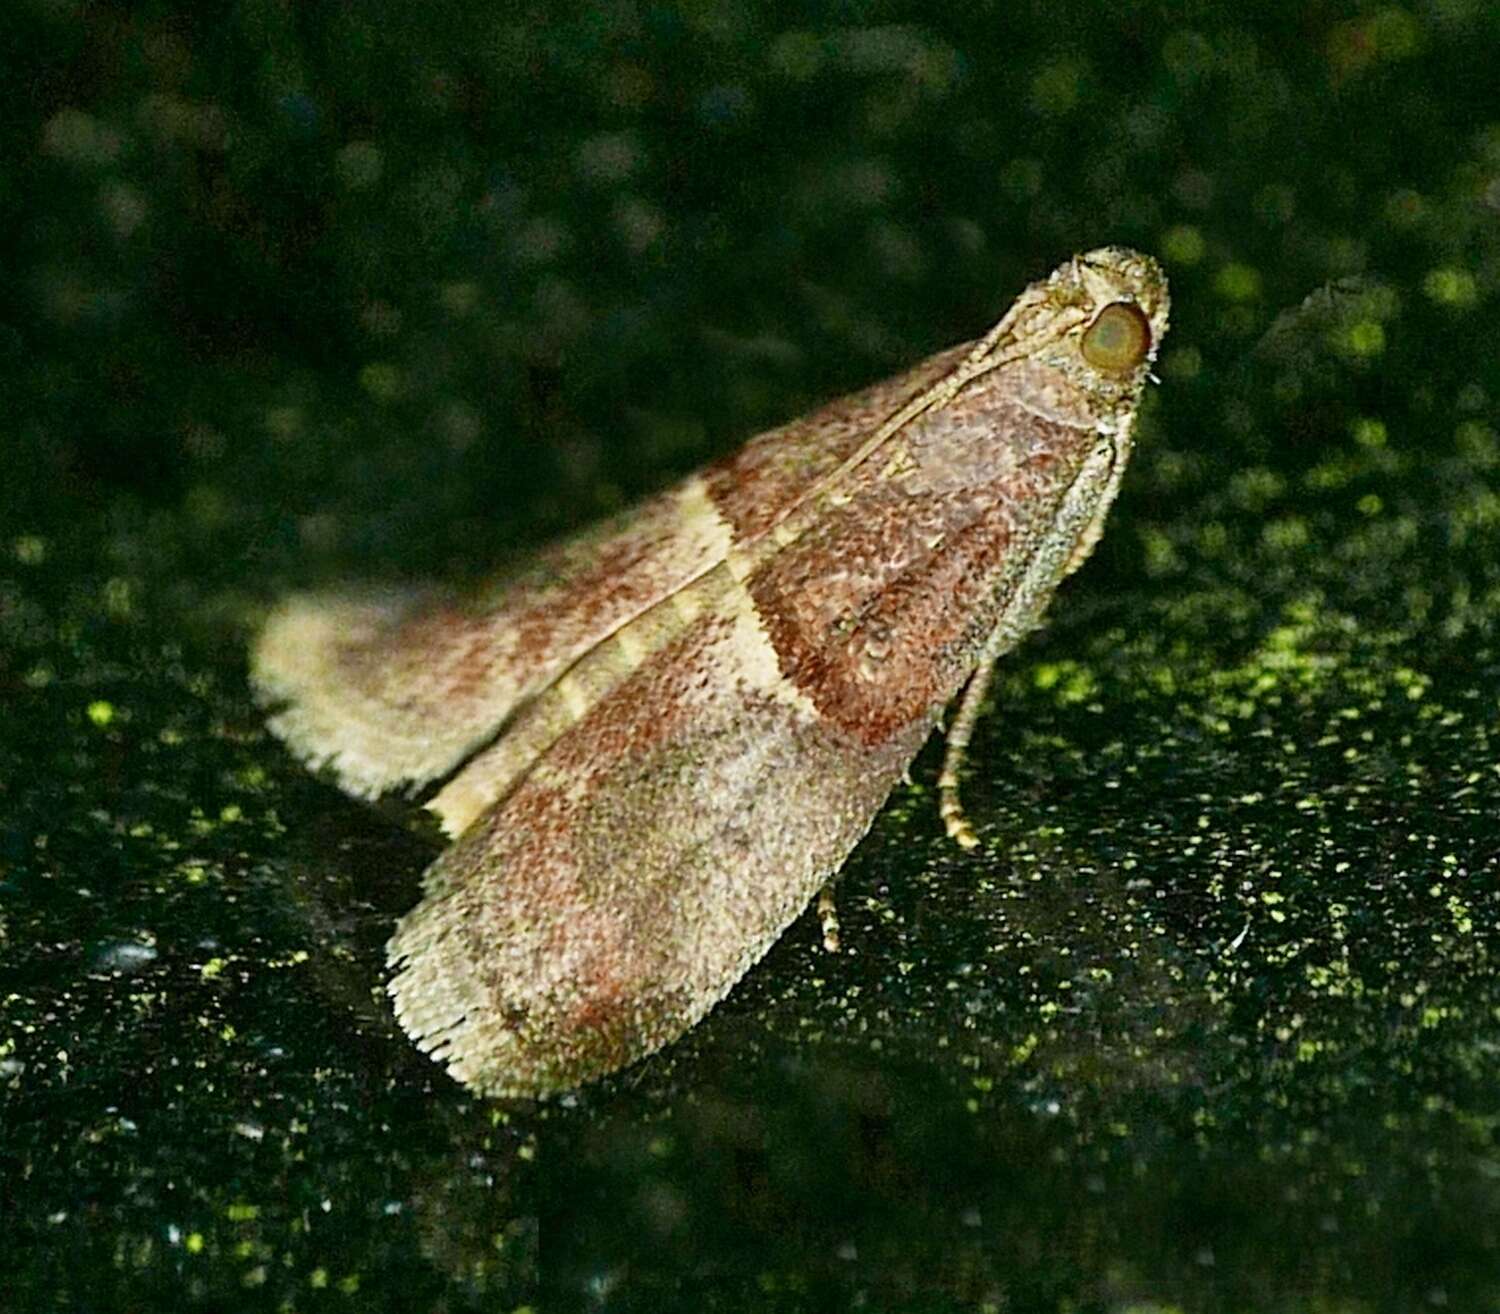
[(119, 597), (208, 507), (101, 712), (1477, 444), (1393, 33), (460, 298), (359, 165), (1255, 487), (283, 423), (1162, 557), (1369, 432), (1276, 204), (194, 871), (1463, 920), (30, 549), (1286, 534), (1069, 681), (1451, 287), (1182, 364), (1183, 244), (241, 1212), (1363, 338), (1414, 684), (1021, 179), (381, 380), (251, 777), (1213, 538), (1478, 512), (1238, 282), (1405, 208), (1056, 88)]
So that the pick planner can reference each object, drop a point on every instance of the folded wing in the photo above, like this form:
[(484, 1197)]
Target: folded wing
[(658, 848)]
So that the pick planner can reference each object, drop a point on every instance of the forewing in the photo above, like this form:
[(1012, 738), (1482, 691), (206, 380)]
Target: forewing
[(393, 689), (656, 850)]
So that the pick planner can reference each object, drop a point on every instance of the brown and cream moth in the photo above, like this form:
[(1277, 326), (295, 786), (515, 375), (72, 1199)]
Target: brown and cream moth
[(662, 739)]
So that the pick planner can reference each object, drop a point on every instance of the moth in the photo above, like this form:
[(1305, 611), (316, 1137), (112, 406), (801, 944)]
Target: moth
[(657, 743)]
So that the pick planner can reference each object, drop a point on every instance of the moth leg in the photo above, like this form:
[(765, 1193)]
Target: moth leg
[(950, 808), (828, 918)]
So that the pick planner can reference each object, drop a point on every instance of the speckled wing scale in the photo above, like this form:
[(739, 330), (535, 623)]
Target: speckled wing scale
[(668, 734)]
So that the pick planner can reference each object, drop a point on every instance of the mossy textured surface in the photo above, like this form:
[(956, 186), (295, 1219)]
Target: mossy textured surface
[(1211, 1019)]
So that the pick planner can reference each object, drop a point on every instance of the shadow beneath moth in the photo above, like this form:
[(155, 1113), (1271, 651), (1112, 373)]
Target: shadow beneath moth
[(667, 734)]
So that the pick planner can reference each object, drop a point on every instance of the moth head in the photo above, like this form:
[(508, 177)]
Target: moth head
[(1085, 337)]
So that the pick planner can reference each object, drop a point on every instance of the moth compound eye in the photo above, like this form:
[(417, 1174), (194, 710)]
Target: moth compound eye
[(1118, 339)]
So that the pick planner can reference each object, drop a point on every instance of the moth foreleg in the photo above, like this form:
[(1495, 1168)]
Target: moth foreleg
[(950, 808)]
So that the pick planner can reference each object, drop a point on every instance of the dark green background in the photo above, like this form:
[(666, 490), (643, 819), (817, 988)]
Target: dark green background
[(299, 292)]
